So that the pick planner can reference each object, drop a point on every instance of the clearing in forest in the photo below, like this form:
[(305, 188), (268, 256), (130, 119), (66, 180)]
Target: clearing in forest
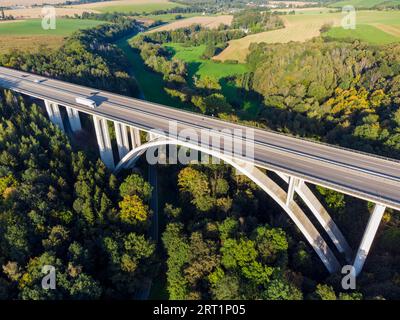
[(203, 67), (297, 28)]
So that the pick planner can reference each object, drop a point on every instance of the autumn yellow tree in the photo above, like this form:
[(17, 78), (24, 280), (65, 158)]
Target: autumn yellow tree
[(133, 210)]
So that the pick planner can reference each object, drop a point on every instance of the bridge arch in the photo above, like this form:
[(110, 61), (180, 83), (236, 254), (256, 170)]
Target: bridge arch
[(280, 196)]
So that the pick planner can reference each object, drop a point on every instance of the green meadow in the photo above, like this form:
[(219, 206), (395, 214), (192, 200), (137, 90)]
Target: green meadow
[(362, 3), (201, 67), (151, 84), (64, 27), (372, 26), (363, 32), (247, 107)]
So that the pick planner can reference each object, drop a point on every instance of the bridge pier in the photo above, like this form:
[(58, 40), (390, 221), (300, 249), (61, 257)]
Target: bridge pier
[(135, 137), (53, 111), (299, 218), (121, 133), (321, 215), (104, 141), (368, 237), (293, 182), (74, 120)]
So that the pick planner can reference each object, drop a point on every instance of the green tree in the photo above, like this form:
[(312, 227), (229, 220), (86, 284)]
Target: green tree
[(209, 51), (324, 292), (279, 289), (178, 255), (134, 184)]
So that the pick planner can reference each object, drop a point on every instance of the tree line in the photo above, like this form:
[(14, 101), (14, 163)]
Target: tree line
[(61, 209), (87, 57)]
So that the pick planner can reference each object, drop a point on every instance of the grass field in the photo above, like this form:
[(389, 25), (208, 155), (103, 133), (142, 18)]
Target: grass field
[(7, 3), (29, 35), (150, 83), (200, 67), (361, 3), (206, 21), (168, 17), (137, 6), (220, 72), (29, 43), (375, 27), (64, 27), (313, 10), (363, 32), (36, 12), (298, 28)]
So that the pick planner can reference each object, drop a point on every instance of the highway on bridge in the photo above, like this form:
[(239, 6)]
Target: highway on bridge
[(365, 176)]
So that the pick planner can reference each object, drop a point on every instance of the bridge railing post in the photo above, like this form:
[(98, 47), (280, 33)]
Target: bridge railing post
[(368, 237), (135, 137)]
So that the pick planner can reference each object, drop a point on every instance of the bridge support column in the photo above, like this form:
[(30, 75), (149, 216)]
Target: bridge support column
[(368, 237), (322, 216), (298, 217), (135, 137), (54, 113), (293, 182), (121, 133), (104, 141), (74, 120), (151, 136)]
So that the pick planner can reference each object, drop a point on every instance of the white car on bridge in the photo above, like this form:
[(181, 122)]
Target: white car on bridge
[(86, 102)]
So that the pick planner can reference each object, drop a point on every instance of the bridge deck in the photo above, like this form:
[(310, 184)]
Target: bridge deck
[(365, 176)]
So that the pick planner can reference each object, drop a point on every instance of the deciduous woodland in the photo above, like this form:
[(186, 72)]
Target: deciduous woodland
[(220, 236)]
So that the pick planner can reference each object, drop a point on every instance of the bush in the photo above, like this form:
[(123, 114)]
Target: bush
[(326, 27)]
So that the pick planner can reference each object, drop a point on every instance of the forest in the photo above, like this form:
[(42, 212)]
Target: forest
[(341, 93), (88, 57), (62, 209)]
